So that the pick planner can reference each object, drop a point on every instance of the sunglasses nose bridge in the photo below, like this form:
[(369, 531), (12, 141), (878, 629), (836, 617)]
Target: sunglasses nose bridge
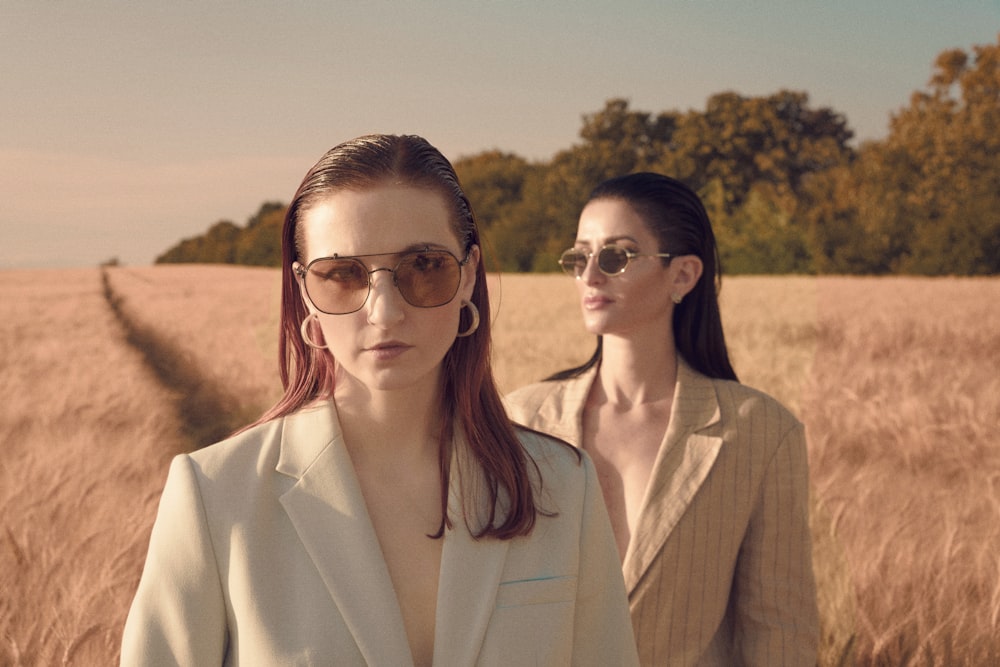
[(590, 267), (371, 274), (392, 278), (383, 300)]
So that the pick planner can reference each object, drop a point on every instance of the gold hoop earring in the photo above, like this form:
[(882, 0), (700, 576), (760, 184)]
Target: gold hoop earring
[(304, 330), (475, 319), (676, 298)]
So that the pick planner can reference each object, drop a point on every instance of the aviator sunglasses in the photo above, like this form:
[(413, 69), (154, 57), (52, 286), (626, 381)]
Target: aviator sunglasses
[(341, 285), (611, 260)]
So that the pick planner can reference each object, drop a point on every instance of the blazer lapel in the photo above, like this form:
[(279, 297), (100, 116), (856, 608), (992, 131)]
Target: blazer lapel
[(561, 413), (682, 464), (471, 569), (328, 511)]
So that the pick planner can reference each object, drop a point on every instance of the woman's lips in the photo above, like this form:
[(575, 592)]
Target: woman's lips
[(388, 350), (595, 301)]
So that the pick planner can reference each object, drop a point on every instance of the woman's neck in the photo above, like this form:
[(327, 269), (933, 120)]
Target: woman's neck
[(635, 371), (403, 424)]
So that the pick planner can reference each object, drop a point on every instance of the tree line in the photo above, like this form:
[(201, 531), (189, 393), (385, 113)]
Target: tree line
[(785, 190)]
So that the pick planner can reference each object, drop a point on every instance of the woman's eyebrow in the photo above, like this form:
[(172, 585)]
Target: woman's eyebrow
[(608, 241), (623, 237)]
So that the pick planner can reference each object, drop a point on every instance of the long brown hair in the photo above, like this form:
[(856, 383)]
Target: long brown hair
[(678, 219), (469, 391)]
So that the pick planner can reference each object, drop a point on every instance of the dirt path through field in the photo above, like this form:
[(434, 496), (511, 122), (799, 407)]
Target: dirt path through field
[(86, 433)]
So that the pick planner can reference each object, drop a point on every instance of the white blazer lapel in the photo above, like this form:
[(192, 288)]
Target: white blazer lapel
[(682, 464), (471, 570), (329, 513)]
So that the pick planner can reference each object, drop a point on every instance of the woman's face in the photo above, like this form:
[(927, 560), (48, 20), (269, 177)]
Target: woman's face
[(635, 300), (388, 343)]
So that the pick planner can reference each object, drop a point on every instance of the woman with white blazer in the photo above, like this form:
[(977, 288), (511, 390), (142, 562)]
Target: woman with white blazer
[(705, 479), (385, 511)]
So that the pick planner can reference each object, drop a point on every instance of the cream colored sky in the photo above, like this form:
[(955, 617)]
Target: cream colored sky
[(127, 126)]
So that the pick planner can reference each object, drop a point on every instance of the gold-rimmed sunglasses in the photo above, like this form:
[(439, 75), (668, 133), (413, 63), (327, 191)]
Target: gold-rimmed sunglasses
[(611, 259), (340, 285)]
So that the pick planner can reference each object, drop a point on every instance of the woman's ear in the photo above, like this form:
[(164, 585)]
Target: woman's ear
[(686, 270)]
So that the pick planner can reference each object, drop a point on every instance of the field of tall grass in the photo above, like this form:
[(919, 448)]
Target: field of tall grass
[(105, 376), (86, 431)]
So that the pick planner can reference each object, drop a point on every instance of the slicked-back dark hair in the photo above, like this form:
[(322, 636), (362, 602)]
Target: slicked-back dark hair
[(676, 216)]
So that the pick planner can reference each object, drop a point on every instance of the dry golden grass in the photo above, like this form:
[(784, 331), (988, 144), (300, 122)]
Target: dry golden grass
[(902, 408), (537, 328), (86, 433), (896, 380), (220, 320)]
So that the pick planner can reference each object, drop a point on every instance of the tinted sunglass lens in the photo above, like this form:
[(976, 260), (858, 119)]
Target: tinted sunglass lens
[(428, 279), (573, 262), (612, 260), (337, 286)]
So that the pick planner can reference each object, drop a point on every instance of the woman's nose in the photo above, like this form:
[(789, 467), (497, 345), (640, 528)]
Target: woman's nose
[(385, 303), (591, 274)]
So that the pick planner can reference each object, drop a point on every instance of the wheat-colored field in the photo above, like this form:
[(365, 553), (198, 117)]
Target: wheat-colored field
[(86, 432), (895, 378)]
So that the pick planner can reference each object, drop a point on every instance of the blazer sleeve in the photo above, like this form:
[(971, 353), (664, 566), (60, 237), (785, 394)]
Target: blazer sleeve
[(602, 633), (776, 620), (178, 615)]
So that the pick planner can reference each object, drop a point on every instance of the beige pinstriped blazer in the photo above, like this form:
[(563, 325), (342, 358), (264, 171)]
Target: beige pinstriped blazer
[(719, 570)]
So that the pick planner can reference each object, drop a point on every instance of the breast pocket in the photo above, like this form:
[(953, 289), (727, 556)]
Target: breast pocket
[(536, 591), (532, 623)]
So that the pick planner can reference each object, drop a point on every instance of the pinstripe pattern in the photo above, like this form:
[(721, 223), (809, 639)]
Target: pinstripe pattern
[(719, 570)]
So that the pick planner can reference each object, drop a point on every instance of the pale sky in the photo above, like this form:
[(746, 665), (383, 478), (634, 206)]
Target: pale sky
[(127, 126)]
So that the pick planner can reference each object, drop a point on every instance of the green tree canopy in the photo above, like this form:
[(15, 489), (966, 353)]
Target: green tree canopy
[(741, 141), (927, 199), (259, 243), (216, 246), (784, 188), (495, 184)]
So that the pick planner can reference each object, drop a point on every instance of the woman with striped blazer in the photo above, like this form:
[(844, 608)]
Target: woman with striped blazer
[(705, 479)]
